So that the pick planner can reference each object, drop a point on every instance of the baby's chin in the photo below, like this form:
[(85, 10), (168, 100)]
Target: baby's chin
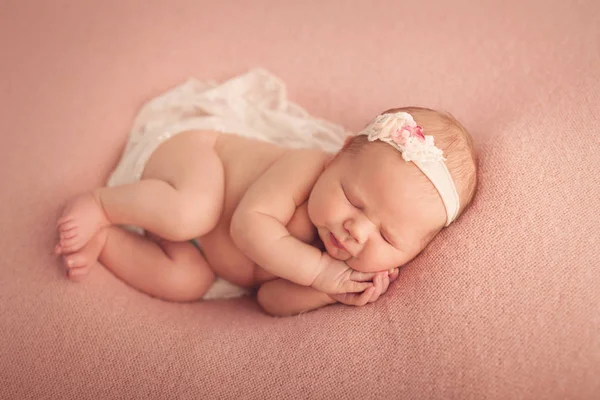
[(338, 256)]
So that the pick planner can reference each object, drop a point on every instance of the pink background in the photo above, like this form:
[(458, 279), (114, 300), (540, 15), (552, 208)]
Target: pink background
[(504, 304)]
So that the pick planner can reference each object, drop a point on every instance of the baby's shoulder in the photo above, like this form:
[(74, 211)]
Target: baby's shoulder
[(304, 159), (294, 173), (301, 165)]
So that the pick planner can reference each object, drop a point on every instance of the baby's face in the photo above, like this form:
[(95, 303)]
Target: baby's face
[(373, 210)]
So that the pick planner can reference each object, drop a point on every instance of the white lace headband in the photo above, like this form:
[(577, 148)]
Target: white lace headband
[(400, 131)]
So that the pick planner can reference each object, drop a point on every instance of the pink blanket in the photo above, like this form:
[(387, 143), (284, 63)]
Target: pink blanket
[(504, 304)]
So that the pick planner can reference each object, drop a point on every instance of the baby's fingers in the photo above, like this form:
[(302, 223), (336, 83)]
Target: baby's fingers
[(352, 299), (365, 296), (362, 276), (356, 287), (382, 282), (385, 283)]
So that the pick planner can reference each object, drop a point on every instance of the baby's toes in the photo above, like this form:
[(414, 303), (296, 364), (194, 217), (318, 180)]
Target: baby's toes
[(63, 220), (57, 249), (66, 225), (77, 265), (70, 234), (70, 245), (75, 260), (76, 274)]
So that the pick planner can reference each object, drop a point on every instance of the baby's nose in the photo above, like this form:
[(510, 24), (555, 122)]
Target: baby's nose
[(358, 230)]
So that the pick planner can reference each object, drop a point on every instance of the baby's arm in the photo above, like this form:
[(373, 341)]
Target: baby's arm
[(283, 298), (258, 227)]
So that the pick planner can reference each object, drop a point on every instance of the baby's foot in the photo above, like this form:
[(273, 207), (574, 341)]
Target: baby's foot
[(81, 218), (78, 264)]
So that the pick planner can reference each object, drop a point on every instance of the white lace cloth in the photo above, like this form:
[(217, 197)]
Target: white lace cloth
[(253, 105)]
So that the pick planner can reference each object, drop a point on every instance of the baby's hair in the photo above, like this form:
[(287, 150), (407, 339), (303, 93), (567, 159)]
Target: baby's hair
[(450, 136)]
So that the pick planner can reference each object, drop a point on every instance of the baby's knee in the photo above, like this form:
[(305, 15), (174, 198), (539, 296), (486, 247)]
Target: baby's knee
[(262, 298), (266, 301), (188, 283), (194, 218)]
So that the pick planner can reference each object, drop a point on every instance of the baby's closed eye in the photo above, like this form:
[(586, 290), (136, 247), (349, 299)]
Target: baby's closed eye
[(387, 237), (351, 200), (383, 235)]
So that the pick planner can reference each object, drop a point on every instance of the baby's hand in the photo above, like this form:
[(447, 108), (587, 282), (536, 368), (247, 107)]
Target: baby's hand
[(337, 277), (381, 283)]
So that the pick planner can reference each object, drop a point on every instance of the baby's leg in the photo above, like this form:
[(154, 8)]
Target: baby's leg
[(179, 197), (174, 271)]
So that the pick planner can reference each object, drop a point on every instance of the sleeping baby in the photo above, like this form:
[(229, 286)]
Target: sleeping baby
[(304, 226)]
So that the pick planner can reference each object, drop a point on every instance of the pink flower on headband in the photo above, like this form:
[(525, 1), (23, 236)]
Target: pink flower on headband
[(402, 134), (401, 131), (417, 131)]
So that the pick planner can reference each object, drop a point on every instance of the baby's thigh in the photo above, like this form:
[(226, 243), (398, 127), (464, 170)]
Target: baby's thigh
[(187, 161), (188, 276)]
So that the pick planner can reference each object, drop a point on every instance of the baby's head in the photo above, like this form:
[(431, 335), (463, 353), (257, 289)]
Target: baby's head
[(377, 211)]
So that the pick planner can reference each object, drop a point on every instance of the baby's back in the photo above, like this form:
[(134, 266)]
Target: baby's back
[(244, 161)]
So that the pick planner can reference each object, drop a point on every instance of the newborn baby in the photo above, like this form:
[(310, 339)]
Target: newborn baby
[(306, 227)]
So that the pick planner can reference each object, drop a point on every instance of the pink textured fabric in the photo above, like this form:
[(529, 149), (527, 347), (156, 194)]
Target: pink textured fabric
[(504, 304)]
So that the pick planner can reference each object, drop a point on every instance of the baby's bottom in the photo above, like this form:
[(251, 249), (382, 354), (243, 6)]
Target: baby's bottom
[(173, 271)]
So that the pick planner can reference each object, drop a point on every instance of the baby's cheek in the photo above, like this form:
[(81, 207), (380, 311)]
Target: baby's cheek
[(368, 263), (317, 212)]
